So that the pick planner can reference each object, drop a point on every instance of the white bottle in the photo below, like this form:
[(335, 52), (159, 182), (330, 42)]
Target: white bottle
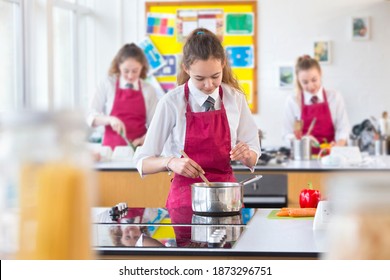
[(384, 124)]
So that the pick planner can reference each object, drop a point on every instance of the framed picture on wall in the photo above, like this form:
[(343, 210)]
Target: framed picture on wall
[(322, 51), (360, 28), (286, 76)]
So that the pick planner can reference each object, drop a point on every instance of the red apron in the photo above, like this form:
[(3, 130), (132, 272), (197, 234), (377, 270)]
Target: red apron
[(323, 129), (207, 142), (182, 216), (129, 107)]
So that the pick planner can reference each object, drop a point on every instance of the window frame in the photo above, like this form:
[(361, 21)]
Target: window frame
[(77, 10), (26, 82), (19, 60)]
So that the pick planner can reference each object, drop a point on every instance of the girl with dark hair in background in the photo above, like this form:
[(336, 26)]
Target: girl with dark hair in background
[(124, 103)]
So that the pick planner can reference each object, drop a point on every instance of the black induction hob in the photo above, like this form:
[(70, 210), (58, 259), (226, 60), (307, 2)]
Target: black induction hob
[(159, 228)]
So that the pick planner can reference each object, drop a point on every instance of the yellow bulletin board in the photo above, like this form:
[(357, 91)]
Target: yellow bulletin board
[(167, 24)]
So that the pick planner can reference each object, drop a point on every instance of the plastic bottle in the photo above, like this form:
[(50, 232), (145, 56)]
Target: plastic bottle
[(45, 186)]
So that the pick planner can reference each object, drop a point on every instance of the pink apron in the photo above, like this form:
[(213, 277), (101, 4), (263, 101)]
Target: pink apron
[(129, 107), (207, 142), (181, 216), (323, 129)]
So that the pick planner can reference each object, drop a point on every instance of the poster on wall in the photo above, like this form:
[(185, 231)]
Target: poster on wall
[(155, 59), (188, 20), (240, 56), (247, 87), (239, 37), (239, 23), (166, 86), (160, 24), (170, 67)]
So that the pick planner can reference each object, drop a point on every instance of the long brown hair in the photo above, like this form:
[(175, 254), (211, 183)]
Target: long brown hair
[(202, 44), (129, 51)]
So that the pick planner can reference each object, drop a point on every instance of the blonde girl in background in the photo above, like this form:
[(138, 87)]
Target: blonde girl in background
[(311, 101), (123, 102)]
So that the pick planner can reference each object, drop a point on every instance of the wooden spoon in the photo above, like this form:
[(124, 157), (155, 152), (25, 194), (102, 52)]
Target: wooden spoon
[(200, 174)]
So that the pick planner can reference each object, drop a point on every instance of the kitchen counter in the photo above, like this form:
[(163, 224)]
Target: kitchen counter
[(120, 181), (115, 165), (378, 163), (369, 163), (261, 237)]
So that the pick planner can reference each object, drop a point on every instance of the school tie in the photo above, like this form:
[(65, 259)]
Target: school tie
[(209, 104), (314, 99)]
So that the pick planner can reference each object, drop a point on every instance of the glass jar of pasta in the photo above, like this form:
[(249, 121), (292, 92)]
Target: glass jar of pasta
[(360, 224), (45, 186)]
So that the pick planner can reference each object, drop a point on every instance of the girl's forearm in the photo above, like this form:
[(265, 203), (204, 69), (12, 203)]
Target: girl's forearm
[(153, 165)]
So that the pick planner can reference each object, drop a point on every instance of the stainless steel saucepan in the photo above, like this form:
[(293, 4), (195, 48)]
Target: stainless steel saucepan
[(219, 198), (204, 227)]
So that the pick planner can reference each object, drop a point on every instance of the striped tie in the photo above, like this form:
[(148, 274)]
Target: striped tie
[(209, 104), (314, 99)]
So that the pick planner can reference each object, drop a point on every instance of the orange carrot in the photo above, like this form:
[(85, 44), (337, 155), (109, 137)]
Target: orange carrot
[(283, 213), (302, 212)]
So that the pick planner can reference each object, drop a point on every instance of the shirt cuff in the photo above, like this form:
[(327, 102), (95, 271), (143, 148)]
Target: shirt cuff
[(258, 153), (90, 118), (139, 166)]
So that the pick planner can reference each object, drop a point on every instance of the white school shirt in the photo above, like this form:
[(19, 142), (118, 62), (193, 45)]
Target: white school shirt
[(103, 99), (166, 134), (338, 113)]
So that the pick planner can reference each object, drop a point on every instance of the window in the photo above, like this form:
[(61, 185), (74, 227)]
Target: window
[(44, 53), (69, 29), (11, 75), (64, 61)]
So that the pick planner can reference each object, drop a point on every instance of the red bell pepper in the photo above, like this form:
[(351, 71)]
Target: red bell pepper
[(309, 198)]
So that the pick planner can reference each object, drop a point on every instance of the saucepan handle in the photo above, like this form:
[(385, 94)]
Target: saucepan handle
[(251, 180)]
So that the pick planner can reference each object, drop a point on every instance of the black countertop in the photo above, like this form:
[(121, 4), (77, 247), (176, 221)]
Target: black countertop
[(180, 232)]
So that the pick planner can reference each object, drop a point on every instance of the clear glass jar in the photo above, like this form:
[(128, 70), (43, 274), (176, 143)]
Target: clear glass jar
[(45, 186), (360, 224)]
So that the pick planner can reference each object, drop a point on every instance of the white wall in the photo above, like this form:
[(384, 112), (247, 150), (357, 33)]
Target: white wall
[(360, 70)]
